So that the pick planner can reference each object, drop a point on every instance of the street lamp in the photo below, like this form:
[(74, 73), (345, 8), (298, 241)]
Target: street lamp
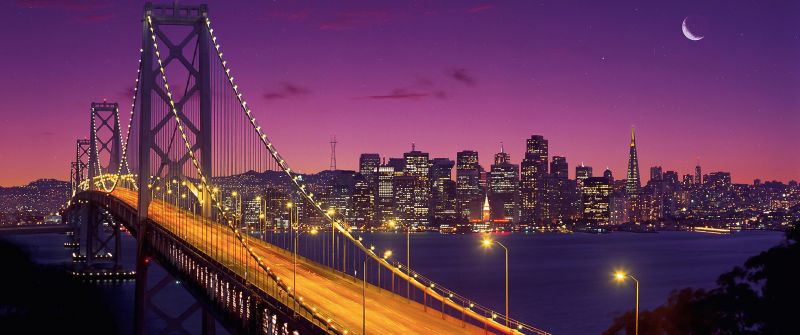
[(393, 224), (386, 255), (620, 277), (487, 243)]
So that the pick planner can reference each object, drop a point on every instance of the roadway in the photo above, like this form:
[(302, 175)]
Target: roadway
[(330, 292)]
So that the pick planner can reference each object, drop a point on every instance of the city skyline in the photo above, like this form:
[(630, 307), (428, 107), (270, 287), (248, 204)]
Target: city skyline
[(581, 84)]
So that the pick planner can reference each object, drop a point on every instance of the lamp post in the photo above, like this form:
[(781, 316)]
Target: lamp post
[(386, 255), (488, 243), (620, 276), (393, 224)]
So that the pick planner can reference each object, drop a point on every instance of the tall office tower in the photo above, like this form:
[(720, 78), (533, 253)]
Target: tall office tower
[(698, 176), (608, 175), (688, 180), (570, 206), (581, 173), (404, 193), (468, 189), (503, 192), (363, 212), (341, 196), (596, 201), (443, 189), (559, 167), (417, 165), (532, 180), (368, 167), (633, 182), (441, 169), (384, 199), (502, 156), (671, 178), (656, 173)]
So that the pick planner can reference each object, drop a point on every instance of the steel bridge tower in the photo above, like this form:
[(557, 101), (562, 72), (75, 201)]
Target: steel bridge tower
[(80, 164), (153, 158), (104, 138)]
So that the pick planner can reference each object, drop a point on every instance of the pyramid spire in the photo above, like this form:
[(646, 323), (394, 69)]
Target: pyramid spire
[(633, 182)]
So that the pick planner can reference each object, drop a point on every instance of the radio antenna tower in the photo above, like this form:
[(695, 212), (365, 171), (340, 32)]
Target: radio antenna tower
[(333, 153)]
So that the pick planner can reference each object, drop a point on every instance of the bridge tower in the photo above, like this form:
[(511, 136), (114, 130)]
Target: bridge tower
[(80, 164), (153, 157), (178, 28), (104, 139)]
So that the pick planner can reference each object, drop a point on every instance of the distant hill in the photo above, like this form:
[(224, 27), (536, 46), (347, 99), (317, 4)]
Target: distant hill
[(39, 197)]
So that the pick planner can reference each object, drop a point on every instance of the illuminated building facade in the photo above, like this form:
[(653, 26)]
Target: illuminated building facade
[(596, 201), (503, 190), (384, 200), (468, 189), (532, 180)]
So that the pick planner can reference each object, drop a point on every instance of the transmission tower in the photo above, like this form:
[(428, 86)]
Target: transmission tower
[(333, 153)]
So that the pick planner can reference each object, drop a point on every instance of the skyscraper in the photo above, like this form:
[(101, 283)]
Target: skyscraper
[(363, 213), (581, 173), (384, 199), (532, 174), (503, 189), (559, 167), (596, 201), (417, 166), (698, 176), (608, 175), (368, 166), (468, 189), (656, 173), (633, 182), (443, 191)]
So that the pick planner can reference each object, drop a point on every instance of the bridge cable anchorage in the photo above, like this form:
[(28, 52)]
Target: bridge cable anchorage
[(340, 225), (204, 183)]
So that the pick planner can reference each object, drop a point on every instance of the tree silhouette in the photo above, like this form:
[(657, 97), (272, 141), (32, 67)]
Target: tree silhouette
[(760, 297)]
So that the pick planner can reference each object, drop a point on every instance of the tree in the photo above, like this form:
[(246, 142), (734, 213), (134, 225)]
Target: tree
[(760, 297)]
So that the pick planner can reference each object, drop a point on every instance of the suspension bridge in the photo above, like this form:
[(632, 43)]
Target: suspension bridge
[(207, 196)]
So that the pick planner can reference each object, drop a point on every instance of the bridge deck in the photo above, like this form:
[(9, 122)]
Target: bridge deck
[(330, 292)]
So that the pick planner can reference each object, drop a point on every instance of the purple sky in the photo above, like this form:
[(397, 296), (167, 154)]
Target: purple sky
[(448, 75)]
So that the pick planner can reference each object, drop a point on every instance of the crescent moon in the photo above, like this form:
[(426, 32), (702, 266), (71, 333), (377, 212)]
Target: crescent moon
[(688, 33)]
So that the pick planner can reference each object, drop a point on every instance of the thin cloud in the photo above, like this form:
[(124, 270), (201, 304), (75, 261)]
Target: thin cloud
[(403, 94), (287, 90), (480, 8), (462, 75), (353, 19)]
